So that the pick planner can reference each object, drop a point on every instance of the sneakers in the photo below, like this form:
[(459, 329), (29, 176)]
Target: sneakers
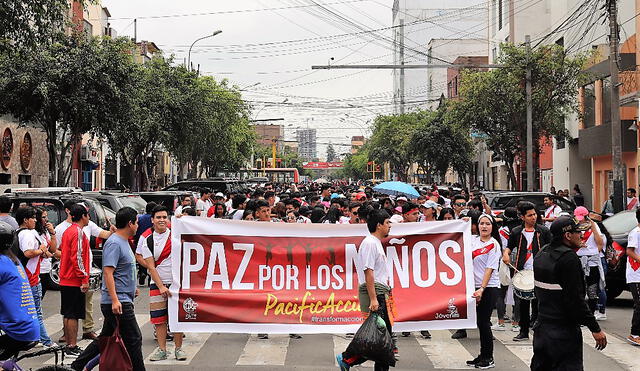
[(350, 335), (521, 337), (263, 336), (343, 366), (473, 362), (295, 336), (406, 334), (50, 345), (459, 334), (484, 364), (507, 319), (425, 334), (89, 336), (515, 328), (634, 339), (600, 316), (499, 327), (180, 354), (159, 355), (72, 352)]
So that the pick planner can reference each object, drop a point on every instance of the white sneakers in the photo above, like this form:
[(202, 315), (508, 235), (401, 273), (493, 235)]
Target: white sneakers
[(498, 327), (600, 316)]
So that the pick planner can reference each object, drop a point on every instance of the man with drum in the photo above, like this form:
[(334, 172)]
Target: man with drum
[(560, 289), (525, 242)]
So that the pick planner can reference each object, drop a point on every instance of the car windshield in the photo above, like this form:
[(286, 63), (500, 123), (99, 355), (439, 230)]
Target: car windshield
[(136, 202), (621, 223), (501, 203)]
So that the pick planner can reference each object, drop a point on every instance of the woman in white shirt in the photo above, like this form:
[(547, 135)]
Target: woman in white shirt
[(486, 259)]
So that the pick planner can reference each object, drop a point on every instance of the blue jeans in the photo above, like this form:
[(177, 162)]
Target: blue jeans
[(602, 294), (37, 296)]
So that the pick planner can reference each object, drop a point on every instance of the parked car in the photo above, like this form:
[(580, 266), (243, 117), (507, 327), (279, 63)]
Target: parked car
[(117, 200), (510, 199), (54, 202), (218, 184), (170, 199), (619, 226)]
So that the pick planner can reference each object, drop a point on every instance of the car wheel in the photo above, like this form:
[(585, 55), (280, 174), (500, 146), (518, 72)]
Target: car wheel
[(53, 278)]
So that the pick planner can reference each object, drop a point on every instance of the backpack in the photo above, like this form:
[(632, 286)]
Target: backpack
[(16, 250)]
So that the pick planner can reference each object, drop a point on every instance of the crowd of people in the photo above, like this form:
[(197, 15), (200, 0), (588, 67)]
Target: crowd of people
[(503, 245)]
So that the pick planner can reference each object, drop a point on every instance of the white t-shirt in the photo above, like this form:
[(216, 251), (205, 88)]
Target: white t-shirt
[(528, 264), (590, 247), (203, 206), (504, 236), (485, 255), (635, 206), (371, 256), (28, 240), (159, 242), (633, 275), (551, 212), (90, 230), (45, 264)]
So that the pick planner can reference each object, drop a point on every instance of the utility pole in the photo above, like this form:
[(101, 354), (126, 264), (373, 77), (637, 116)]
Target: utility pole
[(530, 176), (135, 30), (402, 64), (616, 127)]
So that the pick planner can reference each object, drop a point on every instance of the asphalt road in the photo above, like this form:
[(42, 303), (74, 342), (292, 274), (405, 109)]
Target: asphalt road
[(317, 352)]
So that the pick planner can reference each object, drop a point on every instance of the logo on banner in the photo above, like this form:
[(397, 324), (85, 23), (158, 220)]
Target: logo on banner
[(452, 311), (190, 307)]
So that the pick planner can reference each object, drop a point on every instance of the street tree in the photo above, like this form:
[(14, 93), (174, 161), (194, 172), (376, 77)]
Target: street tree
[(391, 141), (440, 144), (331, 153), (493, 103), (29, 23), (67, 89), (355, 165)]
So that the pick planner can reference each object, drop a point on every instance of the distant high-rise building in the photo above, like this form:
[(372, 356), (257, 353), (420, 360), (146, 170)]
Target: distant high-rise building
[(307, 145)]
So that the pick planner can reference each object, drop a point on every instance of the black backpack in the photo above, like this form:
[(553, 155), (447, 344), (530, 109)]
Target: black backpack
[(15, 248)]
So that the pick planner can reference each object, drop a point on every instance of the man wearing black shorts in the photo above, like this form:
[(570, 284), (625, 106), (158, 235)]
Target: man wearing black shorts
[(74, 277)]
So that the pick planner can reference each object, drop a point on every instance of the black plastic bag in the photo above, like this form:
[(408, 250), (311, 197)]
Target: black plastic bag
[(373, 341)]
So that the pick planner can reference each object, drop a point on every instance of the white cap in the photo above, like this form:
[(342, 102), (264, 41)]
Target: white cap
[(219, 194), (401, 198)]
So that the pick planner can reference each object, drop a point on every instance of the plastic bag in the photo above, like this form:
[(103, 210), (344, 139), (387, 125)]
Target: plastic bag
[(373, 342)]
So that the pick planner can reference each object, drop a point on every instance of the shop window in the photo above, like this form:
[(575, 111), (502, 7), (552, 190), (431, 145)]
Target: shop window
[(5, 178), (24, 179)]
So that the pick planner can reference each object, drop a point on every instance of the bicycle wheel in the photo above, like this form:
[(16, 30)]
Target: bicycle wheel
[(55, 368)]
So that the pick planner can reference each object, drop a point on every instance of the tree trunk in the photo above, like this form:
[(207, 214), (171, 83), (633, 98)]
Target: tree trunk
[(50, 130), (511, 176)]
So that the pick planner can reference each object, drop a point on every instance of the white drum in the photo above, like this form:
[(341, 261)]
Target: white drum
[(523, 285)]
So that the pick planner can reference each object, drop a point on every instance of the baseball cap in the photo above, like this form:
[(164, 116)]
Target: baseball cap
[(580, 213), (430, 204), (361, 196), (219, 194), (401, 198), (564, 224)]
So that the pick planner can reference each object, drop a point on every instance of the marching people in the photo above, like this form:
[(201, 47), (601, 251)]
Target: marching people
[(632, 200), (505, 294), (45, 234), (5, 209), (633, 279), (18, 315), (560, 289), (374, 292), (204, 202), (525, 242), (592, 244), (486, 259), (185, 202), (551, 212), (89, 230), (34, 252), (74, 276), (154, 253), (118, 291)]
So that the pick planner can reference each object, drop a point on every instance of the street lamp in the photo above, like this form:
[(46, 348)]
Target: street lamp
[(202, 38)]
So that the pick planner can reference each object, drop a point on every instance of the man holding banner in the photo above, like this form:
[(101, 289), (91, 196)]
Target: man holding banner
[(374, 293)]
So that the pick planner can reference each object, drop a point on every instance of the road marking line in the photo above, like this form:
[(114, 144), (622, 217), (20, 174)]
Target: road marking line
[(443, 352), (523, 349), (191, 345), (618, 350), (142, 320), (264, 352), (340, 344)]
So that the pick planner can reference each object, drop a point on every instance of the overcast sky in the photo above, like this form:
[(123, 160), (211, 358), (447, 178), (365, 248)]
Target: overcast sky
[(275, 43)]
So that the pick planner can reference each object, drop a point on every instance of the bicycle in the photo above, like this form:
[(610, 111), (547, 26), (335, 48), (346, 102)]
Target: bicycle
[(12, 363)]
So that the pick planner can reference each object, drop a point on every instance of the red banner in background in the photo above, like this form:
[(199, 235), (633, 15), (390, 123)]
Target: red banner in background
[(275, 277)]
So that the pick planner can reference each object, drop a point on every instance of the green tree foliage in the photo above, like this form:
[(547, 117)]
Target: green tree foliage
[(493, 103), (67, 88), (331, 153), (440, 144), (29, 23), (355, 165), (391, 141)]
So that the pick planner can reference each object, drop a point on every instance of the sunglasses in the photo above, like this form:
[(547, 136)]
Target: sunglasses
[(459, 204)]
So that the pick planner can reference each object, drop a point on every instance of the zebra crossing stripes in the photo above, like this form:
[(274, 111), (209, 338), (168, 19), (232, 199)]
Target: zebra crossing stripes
[(191, 345), (443, 352), (264, 352), (617, 349)]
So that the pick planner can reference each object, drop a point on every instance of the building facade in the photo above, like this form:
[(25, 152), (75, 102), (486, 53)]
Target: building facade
[(24, 157), (267, 134), (307, 144)]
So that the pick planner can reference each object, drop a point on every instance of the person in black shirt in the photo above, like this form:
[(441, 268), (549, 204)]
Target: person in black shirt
[(562, 308)]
